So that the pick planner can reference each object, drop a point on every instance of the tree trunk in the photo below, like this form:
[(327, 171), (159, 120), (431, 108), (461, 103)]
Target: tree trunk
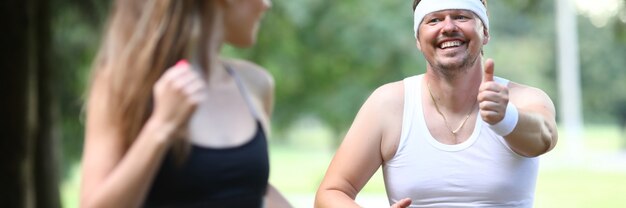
[(15, 123), (570, 92), (29, 166), (46, 146)]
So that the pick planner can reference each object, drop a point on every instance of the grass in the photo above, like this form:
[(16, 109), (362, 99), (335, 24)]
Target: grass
[(580, 187), (70, 188), (595, 177)]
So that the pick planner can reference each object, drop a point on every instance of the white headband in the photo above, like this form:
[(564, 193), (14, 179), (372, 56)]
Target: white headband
[(429, 6)]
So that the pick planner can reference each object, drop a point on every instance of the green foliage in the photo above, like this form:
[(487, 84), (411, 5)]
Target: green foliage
[(603, 58), (75, 37), (523, 44), (328, 56)]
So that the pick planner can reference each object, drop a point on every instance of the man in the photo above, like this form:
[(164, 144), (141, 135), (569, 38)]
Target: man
[(455, 136)]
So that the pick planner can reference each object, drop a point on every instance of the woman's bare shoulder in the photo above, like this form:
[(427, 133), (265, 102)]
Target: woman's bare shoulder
[(251, 72)]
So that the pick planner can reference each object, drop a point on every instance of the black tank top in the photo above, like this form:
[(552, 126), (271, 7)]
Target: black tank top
[(210, 177), (215, 177)]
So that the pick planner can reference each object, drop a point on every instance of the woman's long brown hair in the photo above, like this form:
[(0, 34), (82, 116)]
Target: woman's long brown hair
[(143, 38)]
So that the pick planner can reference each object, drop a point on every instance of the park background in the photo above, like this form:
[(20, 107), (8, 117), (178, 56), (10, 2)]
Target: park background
[(326, 56)]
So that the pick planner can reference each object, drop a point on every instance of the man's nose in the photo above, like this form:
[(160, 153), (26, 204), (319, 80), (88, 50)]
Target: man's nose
[(449, 25)]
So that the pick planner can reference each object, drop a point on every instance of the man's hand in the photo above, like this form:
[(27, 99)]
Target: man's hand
[(492, 97), (402, 203)]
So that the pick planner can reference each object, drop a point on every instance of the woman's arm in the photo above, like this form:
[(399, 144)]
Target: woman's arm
[(115, 174), (274, 199)]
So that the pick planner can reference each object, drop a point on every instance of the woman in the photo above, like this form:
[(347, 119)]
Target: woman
[(162, 132)]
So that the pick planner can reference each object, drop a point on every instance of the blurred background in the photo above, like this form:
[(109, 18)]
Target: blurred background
[(327, 56)]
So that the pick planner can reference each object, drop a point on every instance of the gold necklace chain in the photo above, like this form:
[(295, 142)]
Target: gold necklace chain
[(445, 121)]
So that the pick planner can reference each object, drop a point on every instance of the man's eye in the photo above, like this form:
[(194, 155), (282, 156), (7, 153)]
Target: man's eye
[(461, 17), (433, 20)]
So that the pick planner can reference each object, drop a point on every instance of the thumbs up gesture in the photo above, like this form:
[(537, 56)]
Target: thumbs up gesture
[(492, 97)]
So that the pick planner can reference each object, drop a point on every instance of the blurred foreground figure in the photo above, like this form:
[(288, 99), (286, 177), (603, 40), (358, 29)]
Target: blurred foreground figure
[(169, 122)]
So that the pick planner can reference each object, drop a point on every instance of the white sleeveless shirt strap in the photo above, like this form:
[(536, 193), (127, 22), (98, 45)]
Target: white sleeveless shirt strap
[(411, 87)]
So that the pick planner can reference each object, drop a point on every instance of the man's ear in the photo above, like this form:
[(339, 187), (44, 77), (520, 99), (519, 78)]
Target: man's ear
[(417, 43), (486, 35)]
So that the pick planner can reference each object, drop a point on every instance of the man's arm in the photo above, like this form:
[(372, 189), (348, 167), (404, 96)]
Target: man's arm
[(535, 132), (523, 115), (359, 155)]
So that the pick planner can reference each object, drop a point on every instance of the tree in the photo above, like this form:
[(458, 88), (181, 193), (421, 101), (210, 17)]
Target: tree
[(29, 162)]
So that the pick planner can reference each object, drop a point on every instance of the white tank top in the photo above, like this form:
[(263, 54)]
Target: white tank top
[(480, 172)]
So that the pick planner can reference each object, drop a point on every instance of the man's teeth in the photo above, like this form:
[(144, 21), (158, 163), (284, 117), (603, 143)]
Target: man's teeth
[(450, 44)]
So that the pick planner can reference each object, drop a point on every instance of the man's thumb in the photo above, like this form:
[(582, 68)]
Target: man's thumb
[(488, 70)]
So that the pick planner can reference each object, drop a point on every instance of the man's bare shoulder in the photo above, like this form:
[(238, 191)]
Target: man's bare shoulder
[(523, 95), (386, 103), (390, 94)]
